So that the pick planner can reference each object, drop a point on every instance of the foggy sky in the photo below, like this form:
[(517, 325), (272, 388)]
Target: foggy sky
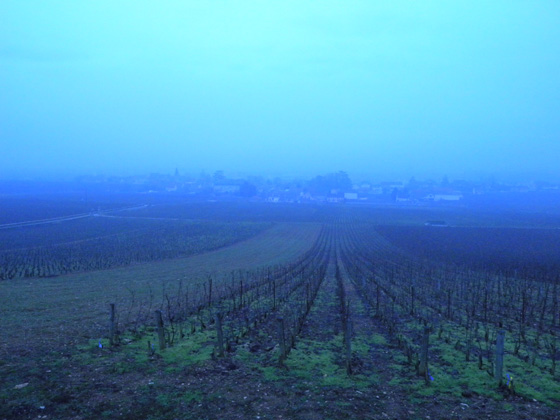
[(279, 87)]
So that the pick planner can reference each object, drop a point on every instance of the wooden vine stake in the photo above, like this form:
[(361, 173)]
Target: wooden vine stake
[(423, 366), (220, 333), (282, 340), (161, 334), (498, 374), (112, 325), (347, 335)]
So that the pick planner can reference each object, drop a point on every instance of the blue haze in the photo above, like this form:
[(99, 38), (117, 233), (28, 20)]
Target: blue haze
[(462, 88)]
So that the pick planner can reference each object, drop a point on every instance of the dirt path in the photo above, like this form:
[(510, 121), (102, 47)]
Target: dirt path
[(103, 213), (379, 354)]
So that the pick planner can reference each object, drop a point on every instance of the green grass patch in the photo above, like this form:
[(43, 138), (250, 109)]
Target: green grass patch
[(322, 364)]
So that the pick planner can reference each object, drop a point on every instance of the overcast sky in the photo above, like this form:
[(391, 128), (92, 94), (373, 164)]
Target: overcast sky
[(280, 87)]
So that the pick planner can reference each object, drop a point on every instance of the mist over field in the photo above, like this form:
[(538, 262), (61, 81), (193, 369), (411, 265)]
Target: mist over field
[(464, 89), (280, 209)]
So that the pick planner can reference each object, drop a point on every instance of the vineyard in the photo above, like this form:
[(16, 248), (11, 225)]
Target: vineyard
[(459, 313), (96, 243), (511, 251), (362, 323)]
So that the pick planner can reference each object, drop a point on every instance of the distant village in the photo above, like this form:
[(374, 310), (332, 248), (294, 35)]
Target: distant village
[(335, 187)]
